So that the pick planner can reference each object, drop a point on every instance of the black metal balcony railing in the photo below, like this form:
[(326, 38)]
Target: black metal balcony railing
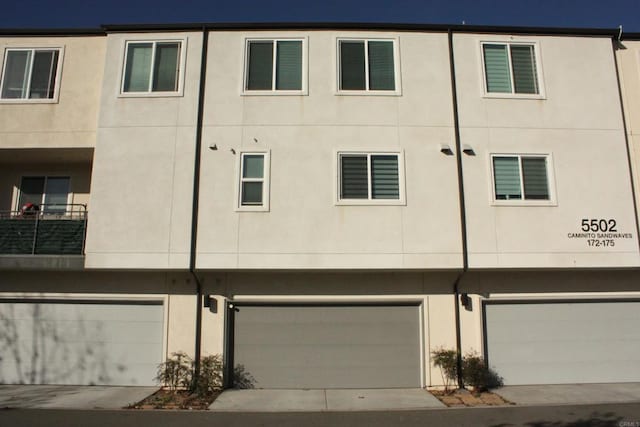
[(50, 230)]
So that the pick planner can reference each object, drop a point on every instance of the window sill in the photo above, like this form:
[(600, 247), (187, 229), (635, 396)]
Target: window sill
[(252, 209), (368, 93), (525, 203), (372, 202), (30, 101), (513, 96), (275, 93), (149, 94)]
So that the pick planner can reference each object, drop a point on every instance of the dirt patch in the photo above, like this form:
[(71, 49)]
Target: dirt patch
[(463, 398), (179, 399)]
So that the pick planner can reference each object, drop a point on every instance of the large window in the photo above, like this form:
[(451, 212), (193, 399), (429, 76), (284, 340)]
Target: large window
[(518, 177), (274, 65), (30, 74), (367, 65), (510, 68), (253, 191), (152, 67), (49, 193), (370, 177)]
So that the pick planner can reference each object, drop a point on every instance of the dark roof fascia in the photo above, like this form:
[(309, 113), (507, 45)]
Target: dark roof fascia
[(630, 36), (481, 29), (54, 32)]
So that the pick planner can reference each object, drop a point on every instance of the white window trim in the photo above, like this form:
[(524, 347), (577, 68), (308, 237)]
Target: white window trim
[(273, 91), (266, 187), (17, 191), (539, 70), (396, 68), (56, 87), (401, 201), (151, 94), (524, 202)]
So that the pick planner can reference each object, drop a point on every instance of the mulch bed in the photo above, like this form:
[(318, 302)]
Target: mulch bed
[(178, 399), (463, 398)]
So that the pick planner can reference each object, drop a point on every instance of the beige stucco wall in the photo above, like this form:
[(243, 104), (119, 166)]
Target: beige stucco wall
[(578, 122), (628, 59), (305, 228), (71, 121), (142, 185)]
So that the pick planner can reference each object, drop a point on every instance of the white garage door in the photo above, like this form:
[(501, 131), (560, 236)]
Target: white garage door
[(324, 346), (564, 342), (84, 342)]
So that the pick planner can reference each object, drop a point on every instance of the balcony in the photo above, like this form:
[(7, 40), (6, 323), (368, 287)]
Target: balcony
[(45, 230)]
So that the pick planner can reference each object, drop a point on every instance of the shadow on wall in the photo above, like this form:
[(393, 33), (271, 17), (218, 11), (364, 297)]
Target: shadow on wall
[(38, 347)]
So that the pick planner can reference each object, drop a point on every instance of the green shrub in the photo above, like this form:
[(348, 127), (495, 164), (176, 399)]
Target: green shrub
[(475, 373), (176, 372)]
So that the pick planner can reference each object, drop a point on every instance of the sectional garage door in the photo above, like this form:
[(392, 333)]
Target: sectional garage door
[(84, 342), (564, 342), (336, 346)]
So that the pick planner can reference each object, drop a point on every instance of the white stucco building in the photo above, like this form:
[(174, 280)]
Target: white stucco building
[(315, 201)]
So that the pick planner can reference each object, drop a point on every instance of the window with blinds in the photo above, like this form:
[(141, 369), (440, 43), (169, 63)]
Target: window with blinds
[(29, 74), (365, 176), (510, 68), (152, 66), (366, 65), (274, 65), (253, 188), (520, 177)]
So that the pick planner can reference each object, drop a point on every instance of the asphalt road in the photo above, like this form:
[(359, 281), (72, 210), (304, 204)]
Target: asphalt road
[(618, 415)]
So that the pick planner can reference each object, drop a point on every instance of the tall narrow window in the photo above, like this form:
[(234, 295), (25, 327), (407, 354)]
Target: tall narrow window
[(365, 176), (49, 193), (520, 178), (254, 181), (367, 65), (274, 65), (30, 73), (510, 68), (152, 67)]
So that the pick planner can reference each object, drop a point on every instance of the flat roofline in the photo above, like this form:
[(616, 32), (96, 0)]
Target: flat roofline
[(630, 36), (310, 26)]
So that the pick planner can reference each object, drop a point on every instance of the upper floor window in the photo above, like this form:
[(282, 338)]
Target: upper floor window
[(367, 65), (152, 67), (30, 74), (49, 193), (521, 177), (274, 65), (510, 68), (370, 178), (253, 191)]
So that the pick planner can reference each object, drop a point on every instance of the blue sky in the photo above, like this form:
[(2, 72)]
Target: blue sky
[(547, 13)]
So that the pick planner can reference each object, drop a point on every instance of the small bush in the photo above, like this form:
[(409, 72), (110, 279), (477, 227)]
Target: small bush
[(210, 378), (477, 374), (242, 378), (176, 372)]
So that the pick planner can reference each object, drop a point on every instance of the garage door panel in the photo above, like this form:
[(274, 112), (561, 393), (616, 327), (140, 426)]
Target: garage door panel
[(80, 343), (557, 343), (329, 346)]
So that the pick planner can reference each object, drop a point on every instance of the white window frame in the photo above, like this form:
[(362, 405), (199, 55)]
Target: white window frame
[(552, 201), (539, 70), (367, 91), (149, 93), (56, 84), (273, 91), (400, 201), (266, 182), (18, 191)]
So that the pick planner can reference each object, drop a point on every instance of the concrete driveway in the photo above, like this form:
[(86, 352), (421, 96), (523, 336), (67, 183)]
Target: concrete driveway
[(568, 394), (71, 397), (324, 400)]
